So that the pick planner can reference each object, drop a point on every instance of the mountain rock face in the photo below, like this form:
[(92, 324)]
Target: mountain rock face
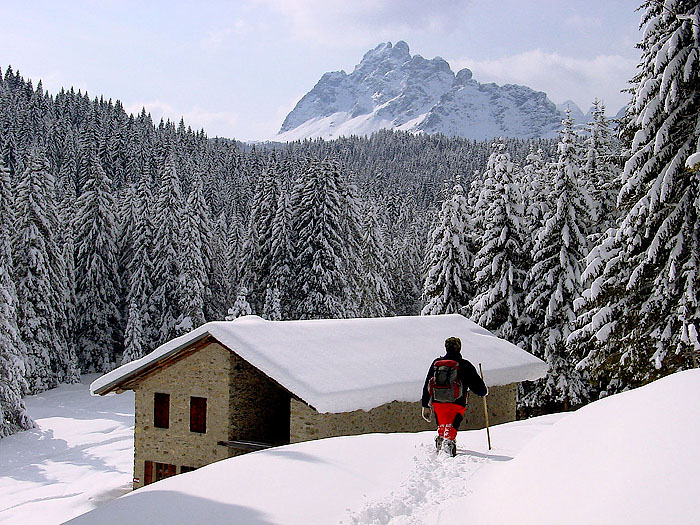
[(390, 88)]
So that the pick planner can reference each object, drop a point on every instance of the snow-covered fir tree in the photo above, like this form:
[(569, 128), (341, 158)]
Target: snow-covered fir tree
[(352, 234), (537, 178), (134, 337), (375, 295), (137, 333), (600, 170), (251, 256), (241, 307), (37, 275), (196, 261), (282, 253), (272, 310), (641, 311), (127, 218), (13, 413), (449, 281), (167, 254), (97, 283), (218, 280), (67, 361), (501, 264), (257, 252), (234, 243), (554, 281), (320, 281), (405, 268)]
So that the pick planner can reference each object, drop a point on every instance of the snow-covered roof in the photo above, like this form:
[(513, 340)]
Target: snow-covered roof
[(340, 365)]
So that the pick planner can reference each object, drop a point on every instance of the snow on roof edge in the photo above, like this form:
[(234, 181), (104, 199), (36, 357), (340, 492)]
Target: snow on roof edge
[(123, 372)]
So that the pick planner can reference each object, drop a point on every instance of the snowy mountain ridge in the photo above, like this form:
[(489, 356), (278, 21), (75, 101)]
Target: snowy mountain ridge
[(390, 88)]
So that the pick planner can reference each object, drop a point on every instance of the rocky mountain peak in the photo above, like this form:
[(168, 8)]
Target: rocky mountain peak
[(390, 88)]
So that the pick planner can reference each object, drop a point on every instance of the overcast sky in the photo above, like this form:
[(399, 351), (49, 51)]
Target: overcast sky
[(237, 68)]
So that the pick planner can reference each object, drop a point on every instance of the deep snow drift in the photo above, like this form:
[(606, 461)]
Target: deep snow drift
[(630, 458)]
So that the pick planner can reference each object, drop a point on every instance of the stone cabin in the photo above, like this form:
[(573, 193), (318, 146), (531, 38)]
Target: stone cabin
[(227, 388)]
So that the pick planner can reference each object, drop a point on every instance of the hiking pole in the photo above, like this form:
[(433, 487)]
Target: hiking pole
[(486, 412)]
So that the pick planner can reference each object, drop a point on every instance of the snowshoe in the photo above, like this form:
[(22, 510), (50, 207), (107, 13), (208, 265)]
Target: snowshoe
[(438, 443)]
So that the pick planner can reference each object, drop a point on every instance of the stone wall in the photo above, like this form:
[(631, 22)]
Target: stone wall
[(202, 374), (307, 424), (259, 407)]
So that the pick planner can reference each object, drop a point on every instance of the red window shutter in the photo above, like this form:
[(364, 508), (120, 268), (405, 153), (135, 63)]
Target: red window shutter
[(148, 473), (161, 410), (172, 470), (198, 414)]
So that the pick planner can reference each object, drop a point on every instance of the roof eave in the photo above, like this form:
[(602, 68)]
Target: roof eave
[(114, 385)]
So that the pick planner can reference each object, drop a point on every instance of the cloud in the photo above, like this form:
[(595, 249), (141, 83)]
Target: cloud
[(217, 38), (561, 77), (361, 22)]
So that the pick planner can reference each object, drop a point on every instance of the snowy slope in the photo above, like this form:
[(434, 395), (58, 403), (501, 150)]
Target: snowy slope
[(80, 455), (390, 88), (630, 458)]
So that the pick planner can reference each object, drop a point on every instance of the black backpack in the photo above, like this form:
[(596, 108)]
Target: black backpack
[(445, 386)]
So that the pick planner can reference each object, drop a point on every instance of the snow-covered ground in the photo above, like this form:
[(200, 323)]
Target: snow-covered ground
[(80, 455), (630, 458)]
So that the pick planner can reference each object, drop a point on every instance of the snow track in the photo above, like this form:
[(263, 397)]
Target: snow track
[(434, 479)]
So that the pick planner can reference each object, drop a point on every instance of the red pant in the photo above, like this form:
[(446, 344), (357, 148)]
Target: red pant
[(449, 416)]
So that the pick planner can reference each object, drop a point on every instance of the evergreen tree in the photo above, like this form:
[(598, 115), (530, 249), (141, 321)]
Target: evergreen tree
[(555, 280), (272, 311), (67, 362), (600, 171), (251, 257), (449, 282), (351, 228), (257, 252), (37, 274), (138, 338), (375, 297), (282, 253), (537, 198), (196, 261), (641, 309), (134, 335), (166, 255), (219, 280), (320, 280), (127, 218), (97, 284), (13, 413), (405, 266), (241, 307), (501, 264)]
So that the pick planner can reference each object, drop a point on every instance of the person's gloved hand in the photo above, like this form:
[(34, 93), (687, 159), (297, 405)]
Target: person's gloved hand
[(427, 414)]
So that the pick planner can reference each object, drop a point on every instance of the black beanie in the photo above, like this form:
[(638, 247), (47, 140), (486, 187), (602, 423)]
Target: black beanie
[(453, 345)]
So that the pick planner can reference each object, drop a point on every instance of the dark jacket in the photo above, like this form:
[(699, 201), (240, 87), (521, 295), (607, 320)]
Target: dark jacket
[(467, 375)]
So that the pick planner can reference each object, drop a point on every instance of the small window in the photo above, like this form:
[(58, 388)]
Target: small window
[(164, 470), (148, 473), (184, 469), (198, 414), (161, 410)]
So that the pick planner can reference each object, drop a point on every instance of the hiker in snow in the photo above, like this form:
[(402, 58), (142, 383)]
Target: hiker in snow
[(445, 390)]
